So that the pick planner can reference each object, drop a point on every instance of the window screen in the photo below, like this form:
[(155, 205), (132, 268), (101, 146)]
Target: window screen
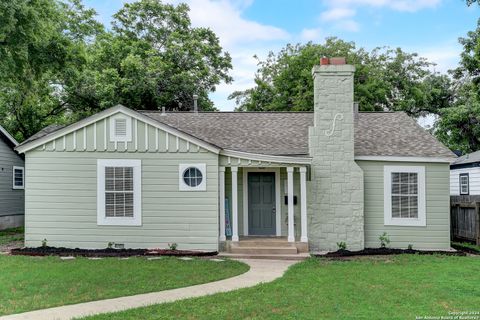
[(17, 177), (119, 191), (464, 183), (404, 195)]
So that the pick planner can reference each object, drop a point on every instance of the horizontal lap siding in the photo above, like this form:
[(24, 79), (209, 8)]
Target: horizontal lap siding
[(61, 197), (11, 201), (473, 178), (436, 235)]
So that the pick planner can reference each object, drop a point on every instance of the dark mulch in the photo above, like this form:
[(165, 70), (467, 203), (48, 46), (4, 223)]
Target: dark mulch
[(465, 249), (108, 252), (383, 251)]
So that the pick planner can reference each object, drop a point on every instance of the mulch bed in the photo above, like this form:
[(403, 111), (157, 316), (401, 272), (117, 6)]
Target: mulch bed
[(465, 249), (108, 252), (384, 251)]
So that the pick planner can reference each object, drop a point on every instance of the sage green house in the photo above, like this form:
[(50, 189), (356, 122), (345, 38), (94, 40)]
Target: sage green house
[(212, 180)]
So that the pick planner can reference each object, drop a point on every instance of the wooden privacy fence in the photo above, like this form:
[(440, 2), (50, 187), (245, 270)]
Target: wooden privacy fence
[(465, 221)]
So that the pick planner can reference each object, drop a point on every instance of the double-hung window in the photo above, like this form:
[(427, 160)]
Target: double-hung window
[(119, 192), (404, 191), (464, 184), (18, 179)]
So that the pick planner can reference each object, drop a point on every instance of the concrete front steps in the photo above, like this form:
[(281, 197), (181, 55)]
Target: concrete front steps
[(265, 248)]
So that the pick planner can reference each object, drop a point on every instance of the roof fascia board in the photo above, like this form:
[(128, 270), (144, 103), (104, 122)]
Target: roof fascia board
[(267, 158), (9, 137), (106, 113), (405, 159)]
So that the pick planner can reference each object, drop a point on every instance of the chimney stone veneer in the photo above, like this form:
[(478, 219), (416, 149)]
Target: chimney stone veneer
[(335, 203)]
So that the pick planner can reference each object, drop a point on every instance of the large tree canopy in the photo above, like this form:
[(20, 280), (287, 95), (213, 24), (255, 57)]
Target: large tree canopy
[(58, 64), (42, 44), (385, 79), (153, 58)]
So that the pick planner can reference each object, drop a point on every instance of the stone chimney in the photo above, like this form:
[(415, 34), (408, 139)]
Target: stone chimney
[(336, 187)]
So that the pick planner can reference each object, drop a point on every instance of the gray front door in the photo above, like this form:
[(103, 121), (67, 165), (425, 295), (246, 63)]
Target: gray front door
[(261, 203)]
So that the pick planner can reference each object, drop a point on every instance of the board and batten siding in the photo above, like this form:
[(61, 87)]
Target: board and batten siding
[(61, 191), (436, 234), (11, 200), (473, 179)]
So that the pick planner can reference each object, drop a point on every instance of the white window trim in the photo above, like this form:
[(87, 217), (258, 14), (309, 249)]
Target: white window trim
[(421, 221), (460, 176), (128, 136), (182, 186), (136, 220), (23, 178)]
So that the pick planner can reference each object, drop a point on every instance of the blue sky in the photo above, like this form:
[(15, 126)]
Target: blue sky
[(248, 27)]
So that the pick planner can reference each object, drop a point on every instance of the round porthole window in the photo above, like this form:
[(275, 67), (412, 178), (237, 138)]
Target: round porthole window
[(192, 177)]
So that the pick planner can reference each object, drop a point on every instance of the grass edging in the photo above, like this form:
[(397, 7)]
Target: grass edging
[(385, 251), (466, 247), (108, 252)]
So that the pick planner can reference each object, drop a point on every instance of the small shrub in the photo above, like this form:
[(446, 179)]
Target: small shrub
[(173, 246), (342, 245), (44, 243), (410, 246), (384, 240), (110, 245)]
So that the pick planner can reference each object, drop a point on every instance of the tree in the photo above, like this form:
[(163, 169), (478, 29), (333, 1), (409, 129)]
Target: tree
[(385, 79), (42, 43), (153, 58)]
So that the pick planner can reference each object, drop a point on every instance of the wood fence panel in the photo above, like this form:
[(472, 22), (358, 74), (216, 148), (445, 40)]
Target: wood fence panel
[(465, 221)]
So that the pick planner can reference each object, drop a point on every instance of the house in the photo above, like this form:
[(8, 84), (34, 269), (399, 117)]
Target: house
[(465, 197), (11, 183), (212, 180), (465, 176)]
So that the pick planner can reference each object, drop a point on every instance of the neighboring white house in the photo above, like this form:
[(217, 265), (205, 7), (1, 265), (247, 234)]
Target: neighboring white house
[(12, 198), (211, 180), (465, 175)]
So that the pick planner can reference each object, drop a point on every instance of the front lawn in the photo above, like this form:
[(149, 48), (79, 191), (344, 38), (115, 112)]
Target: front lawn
[(30, 283), (393, 287)]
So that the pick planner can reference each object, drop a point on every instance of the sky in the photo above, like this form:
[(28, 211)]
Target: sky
[(255, 27)]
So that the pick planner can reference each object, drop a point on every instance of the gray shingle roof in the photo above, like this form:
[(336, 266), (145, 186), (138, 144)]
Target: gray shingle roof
[(468, 158), (45, 131), (286, 133)]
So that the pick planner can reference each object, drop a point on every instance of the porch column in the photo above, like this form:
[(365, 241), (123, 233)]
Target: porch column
[(234, 204), (303, 203), (221, 171), (291, 227)]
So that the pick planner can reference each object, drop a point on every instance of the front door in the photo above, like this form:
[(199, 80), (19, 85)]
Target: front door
[(261, 203)]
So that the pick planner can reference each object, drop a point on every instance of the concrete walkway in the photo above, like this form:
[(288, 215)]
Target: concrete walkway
[(260, 271)]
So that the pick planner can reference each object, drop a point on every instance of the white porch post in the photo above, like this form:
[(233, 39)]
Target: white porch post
[(234, 204), (303, 203), (222, 203), (291, 227)]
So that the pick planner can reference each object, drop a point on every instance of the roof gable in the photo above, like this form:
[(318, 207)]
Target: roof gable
[(10, 140), (52, 133)]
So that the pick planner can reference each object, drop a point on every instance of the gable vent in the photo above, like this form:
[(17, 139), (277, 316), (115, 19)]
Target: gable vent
[(120, 127)]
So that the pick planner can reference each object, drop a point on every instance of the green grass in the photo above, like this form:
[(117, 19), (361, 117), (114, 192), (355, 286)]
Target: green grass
[(396, 287), (11, 235), (467, 245), (30, 283)]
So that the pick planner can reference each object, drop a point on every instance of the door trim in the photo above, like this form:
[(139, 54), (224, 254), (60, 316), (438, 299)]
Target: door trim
[(278, 214)]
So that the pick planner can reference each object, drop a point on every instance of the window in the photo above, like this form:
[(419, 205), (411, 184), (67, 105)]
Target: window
[(192, 177), (464, 184), (119, 192), (18, 178), (404, 190), (120, 128)]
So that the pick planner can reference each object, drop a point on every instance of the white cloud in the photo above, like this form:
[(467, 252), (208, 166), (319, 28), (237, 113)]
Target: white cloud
[(314, 34), (337, 14), (445, 56), (398, 5), (348, 25), (224, 18)]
